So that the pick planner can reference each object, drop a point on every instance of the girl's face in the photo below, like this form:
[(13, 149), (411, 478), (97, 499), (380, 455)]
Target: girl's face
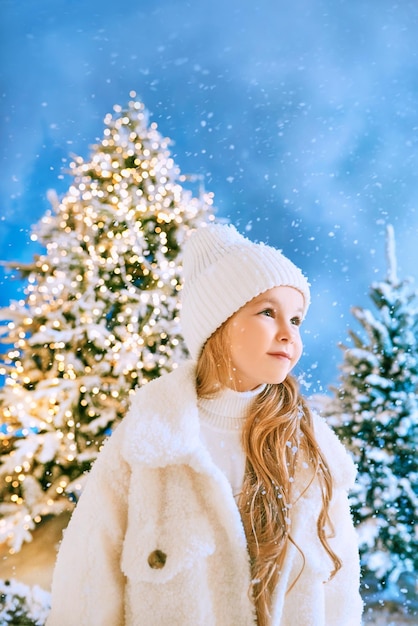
[(264, 338)]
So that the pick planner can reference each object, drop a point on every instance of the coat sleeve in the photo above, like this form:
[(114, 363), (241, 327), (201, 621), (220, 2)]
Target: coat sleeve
[(88, 584), (343, 603)]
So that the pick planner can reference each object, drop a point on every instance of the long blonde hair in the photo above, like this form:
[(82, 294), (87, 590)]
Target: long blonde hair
[(278, 426)]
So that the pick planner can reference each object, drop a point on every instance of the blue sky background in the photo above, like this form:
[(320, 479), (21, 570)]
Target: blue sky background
[(302, 118)]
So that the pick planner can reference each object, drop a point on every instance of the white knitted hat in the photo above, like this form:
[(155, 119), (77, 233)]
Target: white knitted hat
[(223, 271)]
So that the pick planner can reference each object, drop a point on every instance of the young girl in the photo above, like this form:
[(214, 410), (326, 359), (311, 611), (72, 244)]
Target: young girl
[(220, 500)]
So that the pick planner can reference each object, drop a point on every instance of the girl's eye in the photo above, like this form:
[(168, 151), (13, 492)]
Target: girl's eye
[(267, 312), (296, 321)]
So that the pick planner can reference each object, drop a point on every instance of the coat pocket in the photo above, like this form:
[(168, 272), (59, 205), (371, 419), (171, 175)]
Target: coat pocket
[(168, 529)]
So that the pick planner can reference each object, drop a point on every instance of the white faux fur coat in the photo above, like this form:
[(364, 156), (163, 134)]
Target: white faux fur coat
[(157, 540)]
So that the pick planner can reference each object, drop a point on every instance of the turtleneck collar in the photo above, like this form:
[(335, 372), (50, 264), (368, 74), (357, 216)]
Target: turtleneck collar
[(228, 409)]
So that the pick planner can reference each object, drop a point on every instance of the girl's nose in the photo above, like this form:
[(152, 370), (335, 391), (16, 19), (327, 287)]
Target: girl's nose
[(284, 333)]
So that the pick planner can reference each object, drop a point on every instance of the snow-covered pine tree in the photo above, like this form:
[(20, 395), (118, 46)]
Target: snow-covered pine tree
[(99, 316), (376, 406)]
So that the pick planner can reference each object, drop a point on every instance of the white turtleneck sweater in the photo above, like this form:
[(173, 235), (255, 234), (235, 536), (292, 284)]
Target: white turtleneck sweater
[(221, 422)]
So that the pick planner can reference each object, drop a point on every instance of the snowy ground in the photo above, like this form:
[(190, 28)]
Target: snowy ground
[(34, 563)]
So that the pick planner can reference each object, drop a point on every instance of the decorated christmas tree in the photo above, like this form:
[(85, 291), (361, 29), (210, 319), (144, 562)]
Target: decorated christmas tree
[(377, 409), (99, 316)]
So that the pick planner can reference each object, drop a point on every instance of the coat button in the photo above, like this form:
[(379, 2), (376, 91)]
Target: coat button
[(157, 559)]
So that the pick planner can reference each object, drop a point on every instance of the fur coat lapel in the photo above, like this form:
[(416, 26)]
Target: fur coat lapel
[(162, 422), (190, 516)]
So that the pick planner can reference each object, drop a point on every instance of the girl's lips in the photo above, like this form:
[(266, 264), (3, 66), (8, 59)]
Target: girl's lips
[(283, 355)]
